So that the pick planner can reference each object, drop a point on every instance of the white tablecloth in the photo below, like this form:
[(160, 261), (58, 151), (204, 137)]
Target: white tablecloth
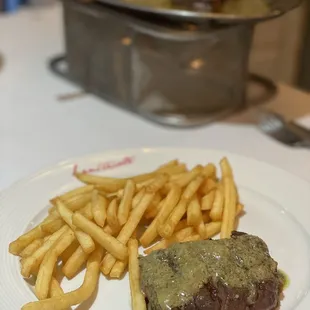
[(37, 130)]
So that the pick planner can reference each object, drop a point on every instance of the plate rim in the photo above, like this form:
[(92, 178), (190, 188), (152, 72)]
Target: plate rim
[(60, 163)]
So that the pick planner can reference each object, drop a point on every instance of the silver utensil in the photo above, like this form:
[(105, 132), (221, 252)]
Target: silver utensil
[(288, 133)]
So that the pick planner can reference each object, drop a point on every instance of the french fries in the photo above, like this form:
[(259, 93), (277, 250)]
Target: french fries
[(126, 202), (32, 262), (127, 230), (108, 242), (207, 201), (98, 224), (137, 198), (74, 203), (112, 216), (55, 288), (50, 259), (74, 263), (218, 204), (99, 206), (194, 216), (118, 269), (230, 204), (52, 226), (73, 193), (137, 299), (23, 241), (75, 297), (33, 246), (84, 239)]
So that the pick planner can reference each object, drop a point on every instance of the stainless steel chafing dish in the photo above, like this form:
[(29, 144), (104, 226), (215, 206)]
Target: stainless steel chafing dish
[(174, 66)]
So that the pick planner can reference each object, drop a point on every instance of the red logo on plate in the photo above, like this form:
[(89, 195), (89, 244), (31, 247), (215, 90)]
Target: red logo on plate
[(106, 165)]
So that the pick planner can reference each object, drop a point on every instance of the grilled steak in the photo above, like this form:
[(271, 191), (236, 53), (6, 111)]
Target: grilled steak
[(228, 274)]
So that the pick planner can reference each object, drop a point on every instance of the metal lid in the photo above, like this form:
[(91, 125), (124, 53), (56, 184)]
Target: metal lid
[(277, 8)]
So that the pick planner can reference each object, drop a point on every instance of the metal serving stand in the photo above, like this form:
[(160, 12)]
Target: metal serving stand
[(177, 68)]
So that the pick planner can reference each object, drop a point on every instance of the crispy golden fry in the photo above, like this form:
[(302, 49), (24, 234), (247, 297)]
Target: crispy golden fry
[(103, 183), (189, 176), (74, 263), (74, 203), (177, 237), (152, 213), (226, 168), (218, 205), (73, 193), (31, 263), (168, 204), (55, 288), (155, 207), (112, 245), (194, 216), (175, 177), (99, 208), (141, 178), (207, 201), (78, 202), (240, 208), (209, 171), (137, 299), (52, 226), (20, 243), (87, 211), (83, 238), (138, 196), (157, 184), (192, 238), (108, 230), (167, 229), (126, 202), (144, 183), (229, 212), (157, 200), (192, 188), (77, 296), (171, 170), (112, 216), (47, 266), (127, 230), (67, 253), (31, 248), (173, 162), (201, 229), (207, 186), (212, 229), (118, 269)]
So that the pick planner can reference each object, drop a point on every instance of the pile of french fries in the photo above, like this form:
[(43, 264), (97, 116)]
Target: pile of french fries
[(101, 224)]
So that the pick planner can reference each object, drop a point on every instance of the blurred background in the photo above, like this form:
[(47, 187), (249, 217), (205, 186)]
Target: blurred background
[(129, 73), (279, 50)]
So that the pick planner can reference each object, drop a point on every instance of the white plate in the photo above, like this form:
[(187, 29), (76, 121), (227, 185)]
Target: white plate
[(277, 205)]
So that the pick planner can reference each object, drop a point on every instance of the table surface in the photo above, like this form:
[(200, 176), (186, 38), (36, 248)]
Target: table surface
[(37, 130)]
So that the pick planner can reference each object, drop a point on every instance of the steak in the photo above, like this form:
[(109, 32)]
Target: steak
[(227, 274)]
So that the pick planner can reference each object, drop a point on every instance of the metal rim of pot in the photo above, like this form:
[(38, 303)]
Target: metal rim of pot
[(185, 15)]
